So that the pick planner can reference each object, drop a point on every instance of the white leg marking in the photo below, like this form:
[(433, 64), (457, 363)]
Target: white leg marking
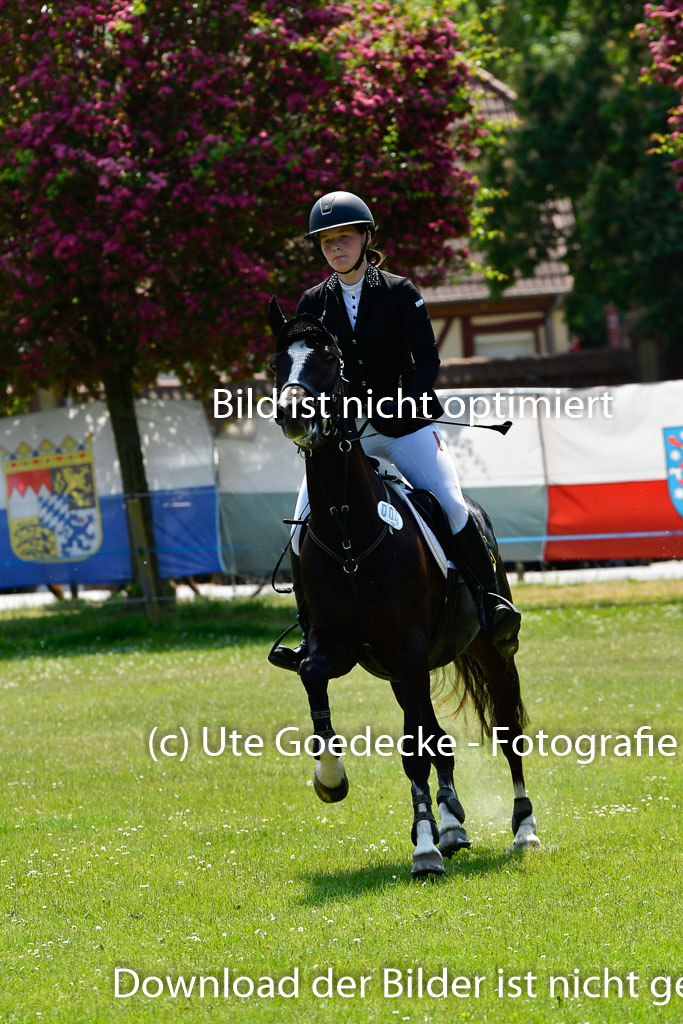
[(425, 843), (329, 770), (452, 833), (447, 819), (525, 836), (427, 859)]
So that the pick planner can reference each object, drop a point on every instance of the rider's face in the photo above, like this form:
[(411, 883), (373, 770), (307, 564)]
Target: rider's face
[(342, 247)]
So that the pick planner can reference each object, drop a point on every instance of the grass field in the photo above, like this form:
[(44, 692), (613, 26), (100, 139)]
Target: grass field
[(180, 868)]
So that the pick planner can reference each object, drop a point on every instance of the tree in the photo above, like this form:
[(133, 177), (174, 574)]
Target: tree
[(584, 134), (157, 163), (663, 30)]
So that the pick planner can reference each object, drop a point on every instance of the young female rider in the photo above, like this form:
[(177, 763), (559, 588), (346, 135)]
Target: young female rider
[(387, 342)]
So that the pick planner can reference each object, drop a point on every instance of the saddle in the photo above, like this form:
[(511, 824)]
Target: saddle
[(430, 509)]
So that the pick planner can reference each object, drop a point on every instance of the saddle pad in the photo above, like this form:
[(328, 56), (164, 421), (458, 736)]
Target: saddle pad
[(398, 487)]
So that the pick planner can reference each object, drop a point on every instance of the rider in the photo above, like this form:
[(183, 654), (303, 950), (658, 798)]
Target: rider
[(387, 342)]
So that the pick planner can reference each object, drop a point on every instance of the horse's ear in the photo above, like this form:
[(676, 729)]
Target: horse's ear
[(276, 318)]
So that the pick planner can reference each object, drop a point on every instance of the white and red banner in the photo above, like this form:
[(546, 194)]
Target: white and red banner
[(615, 487), (587, 474)]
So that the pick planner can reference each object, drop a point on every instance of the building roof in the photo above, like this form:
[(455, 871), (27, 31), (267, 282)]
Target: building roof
[(550, 278), (495, 101)]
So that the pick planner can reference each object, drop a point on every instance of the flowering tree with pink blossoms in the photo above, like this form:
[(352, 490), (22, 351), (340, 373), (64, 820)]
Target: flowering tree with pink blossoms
[(157, 165), (663, 30)]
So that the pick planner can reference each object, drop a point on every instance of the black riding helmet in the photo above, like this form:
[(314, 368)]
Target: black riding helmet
[(337, 210)]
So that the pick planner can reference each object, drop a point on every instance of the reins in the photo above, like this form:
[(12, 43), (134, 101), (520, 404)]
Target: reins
[(341, 515)]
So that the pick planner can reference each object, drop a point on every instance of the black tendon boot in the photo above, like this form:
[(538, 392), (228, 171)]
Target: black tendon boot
[(498, 616), (285, 657)]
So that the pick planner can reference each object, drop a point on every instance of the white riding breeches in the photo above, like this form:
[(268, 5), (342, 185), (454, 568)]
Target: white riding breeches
[(422, 458)]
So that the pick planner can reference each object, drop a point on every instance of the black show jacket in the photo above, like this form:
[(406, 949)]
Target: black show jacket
[(392, 345)]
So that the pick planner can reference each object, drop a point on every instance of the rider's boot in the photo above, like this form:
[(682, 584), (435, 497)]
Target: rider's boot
[(286, 657), (498, 617)]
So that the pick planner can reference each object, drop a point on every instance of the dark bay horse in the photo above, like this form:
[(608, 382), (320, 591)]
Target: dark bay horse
[(374, 597)]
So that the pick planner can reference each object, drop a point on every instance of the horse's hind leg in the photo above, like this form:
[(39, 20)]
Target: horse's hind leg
[(508, 715)]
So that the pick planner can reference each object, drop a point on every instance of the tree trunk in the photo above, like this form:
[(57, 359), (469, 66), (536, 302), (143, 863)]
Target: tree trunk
[(118, 387)]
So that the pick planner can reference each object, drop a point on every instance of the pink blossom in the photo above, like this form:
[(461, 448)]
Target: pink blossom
[(164, 179)]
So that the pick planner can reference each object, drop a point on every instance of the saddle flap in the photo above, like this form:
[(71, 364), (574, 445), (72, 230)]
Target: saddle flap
[(426, 507), (432, 511)]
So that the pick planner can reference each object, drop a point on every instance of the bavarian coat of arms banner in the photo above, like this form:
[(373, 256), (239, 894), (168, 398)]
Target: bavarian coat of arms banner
[(62, 508)]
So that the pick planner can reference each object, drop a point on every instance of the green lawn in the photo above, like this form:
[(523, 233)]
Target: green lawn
[(180, 868)]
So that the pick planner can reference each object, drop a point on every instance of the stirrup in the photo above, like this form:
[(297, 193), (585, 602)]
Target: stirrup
[(285, 657), (501, 622)]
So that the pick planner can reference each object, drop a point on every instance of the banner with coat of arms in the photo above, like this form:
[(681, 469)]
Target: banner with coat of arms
[(52, 509), (62, 507), (673, 444)]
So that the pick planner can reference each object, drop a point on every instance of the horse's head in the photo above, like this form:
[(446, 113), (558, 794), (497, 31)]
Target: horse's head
[(308, 373)]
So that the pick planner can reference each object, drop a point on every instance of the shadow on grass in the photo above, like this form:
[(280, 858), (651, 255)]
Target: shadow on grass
[(342, 885), (80, 628)]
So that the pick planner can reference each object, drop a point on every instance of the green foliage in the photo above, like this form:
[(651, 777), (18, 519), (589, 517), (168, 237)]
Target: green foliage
[(585, 134), (12, 404), (160, 161), (663, 31)]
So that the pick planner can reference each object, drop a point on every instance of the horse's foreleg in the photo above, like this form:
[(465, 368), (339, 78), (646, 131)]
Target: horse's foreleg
[(412, 691), (329, 779), (452, 833), (427, 859)]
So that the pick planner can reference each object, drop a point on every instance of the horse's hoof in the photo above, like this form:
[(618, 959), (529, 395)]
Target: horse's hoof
[(525, 836), (430, 863), (331, 796), (453, 839)]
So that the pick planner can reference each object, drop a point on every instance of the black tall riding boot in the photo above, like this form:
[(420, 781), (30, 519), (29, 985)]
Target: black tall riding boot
[(285, 657), (499, 618)]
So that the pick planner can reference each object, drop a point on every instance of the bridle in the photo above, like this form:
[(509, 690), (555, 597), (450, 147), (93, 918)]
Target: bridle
[(327, 426), (332, 429)]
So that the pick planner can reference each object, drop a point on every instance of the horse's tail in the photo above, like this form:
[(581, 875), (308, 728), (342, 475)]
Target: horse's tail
[(471, 682)]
